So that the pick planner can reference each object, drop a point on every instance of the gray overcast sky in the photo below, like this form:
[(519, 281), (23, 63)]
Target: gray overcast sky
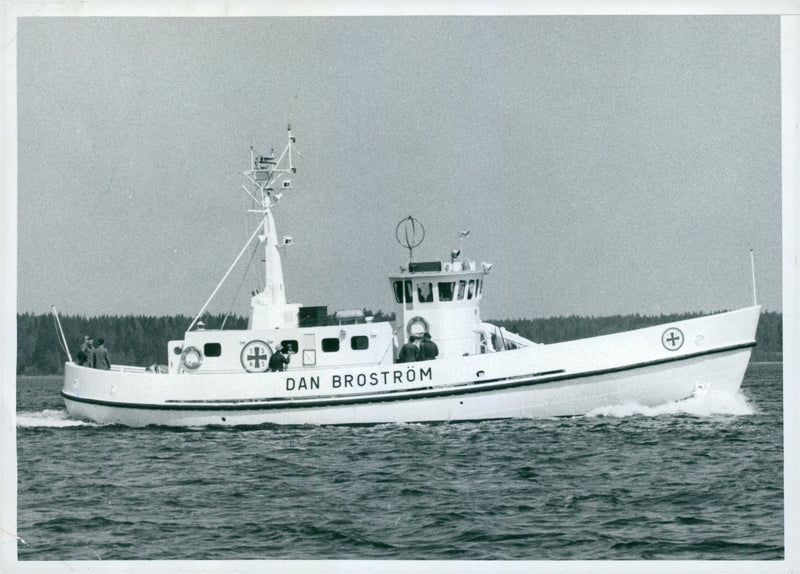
[(602, 164)]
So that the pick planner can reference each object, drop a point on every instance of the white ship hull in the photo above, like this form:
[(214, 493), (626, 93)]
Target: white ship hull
[(650, 366)]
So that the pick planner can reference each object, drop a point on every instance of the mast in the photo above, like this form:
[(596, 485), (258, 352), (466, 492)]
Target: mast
[(269, 177)]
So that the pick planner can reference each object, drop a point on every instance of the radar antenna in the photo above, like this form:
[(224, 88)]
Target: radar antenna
[(410, 233)]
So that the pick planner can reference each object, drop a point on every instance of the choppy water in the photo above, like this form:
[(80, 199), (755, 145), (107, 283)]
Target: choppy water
[(701, 479)]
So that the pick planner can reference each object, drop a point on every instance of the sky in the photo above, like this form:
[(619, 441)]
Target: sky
[(603, 164)]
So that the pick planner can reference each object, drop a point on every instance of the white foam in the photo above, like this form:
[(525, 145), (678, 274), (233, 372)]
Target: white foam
[(711, 403), (49, 418)]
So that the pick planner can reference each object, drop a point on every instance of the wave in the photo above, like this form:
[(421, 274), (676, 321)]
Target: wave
[(49, 418), (709, 404)]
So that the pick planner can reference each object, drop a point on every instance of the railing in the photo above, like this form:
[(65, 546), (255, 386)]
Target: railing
[(158, 369)]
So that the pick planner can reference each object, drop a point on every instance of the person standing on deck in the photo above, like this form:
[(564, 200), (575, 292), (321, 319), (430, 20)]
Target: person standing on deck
[(278, 361), (100, 356), (85, 354), (428, 350), (90, 353), (409, 352)]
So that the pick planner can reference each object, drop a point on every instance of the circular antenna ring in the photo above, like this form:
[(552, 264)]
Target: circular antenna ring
[(410, 233)]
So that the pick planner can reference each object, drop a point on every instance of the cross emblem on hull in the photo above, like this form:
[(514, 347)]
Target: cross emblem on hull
[(672, 339)]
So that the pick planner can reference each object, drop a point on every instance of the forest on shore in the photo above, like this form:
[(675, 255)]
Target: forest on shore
[(142, 340)]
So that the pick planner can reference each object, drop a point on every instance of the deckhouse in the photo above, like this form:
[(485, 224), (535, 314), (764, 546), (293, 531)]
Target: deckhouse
[(443, 298)]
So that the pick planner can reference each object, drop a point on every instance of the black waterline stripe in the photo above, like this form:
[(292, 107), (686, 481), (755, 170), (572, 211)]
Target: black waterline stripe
[(475, 387)]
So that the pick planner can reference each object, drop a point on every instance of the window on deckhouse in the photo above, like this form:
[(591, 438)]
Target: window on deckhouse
[(462, 286), (359, 343), (425, 292), (290, 346), (212, 350), (399, 291), (446, 291), (330, 345)]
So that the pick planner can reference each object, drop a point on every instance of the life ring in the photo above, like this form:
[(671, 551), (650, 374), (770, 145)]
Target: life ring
[(413, 329), (255, 356), (191, 357)]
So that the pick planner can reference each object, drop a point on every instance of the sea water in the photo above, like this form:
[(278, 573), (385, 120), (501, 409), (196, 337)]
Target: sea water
[(701, 479)]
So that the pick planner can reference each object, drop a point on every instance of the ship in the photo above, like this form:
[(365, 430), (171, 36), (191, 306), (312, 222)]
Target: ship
[(296, 364)]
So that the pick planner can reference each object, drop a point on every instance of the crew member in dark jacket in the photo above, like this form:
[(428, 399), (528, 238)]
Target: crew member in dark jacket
[(428, 350), (100, 356), (409, 352), (278, 361)]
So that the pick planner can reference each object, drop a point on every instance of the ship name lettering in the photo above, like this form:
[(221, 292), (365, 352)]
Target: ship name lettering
[(410, 375), (337, 382), (302, 384)]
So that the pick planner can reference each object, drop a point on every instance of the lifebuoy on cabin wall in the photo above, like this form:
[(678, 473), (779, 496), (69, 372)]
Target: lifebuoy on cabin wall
[(417, 326), (191, 357)]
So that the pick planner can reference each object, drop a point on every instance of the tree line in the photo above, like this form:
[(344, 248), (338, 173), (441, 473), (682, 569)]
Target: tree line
[(142, 340)]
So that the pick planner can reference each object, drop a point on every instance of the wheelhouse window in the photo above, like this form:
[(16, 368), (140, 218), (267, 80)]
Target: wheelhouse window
[(212, 350), (398, 291), (359, 343), (425, 292), (462, 287), (446, 291), (471, 289), (330, 345), (289, 345)]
